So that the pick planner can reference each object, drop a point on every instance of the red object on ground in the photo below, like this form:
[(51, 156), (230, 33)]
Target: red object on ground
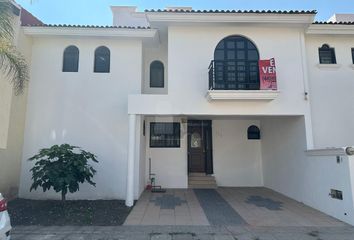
[(148, 187)]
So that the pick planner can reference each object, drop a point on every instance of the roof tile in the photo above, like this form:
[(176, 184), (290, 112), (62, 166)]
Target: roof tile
[(85, 26), (333, 23), (233, 11)]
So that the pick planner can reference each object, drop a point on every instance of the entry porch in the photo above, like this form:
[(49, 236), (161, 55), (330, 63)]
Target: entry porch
[(255, 152)]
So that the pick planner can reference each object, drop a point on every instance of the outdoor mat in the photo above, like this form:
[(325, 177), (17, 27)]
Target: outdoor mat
[(217, 210)]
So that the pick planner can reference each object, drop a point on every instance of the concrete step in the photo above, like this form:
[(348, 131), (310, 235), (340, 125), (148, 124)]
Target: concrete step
[(197, 174), (202, 186), (202, 182), (201, 178)]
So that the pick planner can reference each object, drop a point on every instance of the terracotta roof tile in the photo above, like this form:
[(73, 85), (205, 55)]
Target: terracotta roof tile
[(85, 26), (333, 23), (232, 11)]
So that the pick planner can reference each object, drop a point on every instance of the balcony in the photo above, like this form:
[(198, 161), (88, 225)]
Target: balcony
[(236, 80)]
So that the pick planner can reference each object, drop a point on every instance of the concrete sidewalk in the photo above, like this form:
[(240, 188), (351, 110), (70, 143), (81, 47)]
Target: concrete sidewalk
[(182, 233)]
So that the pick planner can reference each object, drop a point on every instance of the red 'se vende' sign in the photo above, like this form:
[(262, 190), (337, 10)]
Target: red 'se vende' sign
[(268, 74)]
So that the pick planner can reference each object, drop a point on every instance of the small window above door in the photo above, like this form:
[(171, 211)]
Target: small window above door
[(253, 133)]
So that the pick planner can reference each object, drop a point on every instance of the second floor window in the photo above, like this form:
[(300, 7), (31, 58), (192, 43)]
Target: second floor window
[(157, 75), (102, 60), (235, 65), (327, 55), (71, 59)]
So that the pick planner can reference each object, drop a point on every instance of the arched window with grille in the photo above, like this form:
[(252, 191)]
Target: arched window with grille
[(157, 74), (253, 133), (327, 54), (102, 60), (71, 59), (236, 64)]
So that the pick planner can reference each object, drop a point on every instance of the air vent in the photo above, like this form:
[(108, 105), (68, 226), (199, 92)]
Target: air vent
[(336, 194)]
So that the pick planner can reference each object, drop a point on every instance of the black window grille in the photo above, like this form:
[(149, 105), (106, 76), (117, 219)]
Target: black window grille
[(71, 59), (327, 55), (157, 75), (165, 135), (353, 55), (253, 133), (235, 65), (102, 60)]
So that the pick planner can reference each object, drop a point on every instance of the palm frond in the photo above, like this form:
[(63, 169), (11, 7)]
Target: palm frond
[(14, 66), (6, 20)]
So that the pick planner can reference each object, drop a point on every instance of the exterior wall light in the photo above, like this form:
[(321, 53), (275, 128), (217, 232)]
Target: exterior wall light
[(349, 151)]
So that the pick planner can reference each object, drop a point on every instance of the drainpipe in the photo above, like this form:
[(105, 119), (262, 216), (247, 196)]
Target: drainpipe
[(129, 201)]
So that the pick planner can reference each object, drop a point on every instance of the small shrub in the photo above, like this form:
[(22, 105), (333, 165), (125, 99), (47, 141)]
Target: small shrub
[(62, 167)]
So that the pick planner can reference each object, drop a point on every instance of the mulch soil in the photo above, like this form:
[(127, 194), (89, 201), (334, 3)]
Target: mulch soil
[(68, 213)]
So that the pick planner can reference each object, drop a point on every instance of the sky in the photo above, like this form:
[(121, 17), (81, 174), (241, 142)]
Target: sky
[(97, 12)]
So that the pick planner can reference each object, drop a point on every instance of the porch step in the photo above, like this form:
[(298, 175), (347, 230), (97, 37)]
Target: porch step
[(201, 181), (197, 175), (202, 186)]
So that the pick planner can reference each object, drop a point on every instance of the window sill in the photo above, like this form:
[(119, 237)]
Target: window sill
[(329, 66), (259, 95)]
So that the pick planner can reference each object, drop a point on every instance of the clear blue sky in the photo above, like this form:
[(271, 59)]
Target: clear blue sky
[(97, 12)]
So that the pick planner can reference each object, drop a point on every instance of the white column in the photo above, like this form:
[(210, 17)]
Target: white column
[(129, 200)]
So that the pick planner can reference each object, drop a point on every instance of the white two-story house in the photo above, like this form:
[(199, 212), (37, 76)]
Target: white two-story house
[(178, 91)]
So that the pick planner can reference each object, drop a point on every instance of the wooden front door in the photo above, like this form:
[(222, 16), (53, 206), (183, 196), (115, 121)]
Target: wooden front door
[(199, 147)]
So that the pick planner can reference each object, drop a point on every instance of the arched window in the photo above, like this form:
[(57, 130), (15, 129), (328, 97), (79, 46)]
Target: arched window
[(236, 64), (327, 55), (71, 59), (253, 133), (157, 75), (102, 60)]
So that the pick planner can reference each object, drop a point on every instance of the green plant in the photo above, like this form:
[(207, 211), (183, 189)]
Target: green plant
[(12, 63), (63, 168)]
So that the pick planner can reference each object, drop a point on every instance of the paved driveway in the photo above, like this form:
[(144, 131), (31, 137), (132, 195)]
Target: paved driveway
[(222, 214), (183, 233), (258, 207)]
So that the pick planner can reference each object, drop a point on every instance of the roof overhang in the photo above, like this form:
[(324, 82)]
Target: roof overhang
[(40, 31), (242, 18), (330, 29)]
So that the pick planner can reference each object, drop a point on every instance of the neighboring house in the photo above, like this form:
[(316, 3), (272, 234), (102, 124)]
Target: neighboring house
[(182, 88), (12, 113)]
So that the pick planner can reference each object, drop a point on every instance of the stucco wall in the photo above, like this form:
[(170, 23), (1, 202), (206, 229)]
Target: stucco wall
[(237, 160), (190, 51), (169, 164), (318, 185), (283, 155), (289, 170), (12, 122), (331, 92), (85, 109), (152, 54)]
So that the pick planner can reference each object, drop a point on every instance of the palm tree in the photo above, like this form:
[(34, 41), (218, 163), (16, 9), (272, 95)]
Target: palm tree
[(12, 63)]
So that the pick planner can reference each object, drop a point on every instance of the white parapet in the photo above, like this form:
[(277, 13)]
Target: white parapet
[(328, 171)]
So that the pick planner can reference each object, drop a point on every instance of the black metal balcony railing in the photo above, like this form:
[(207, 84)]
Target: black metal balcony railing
[(233, 75)]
